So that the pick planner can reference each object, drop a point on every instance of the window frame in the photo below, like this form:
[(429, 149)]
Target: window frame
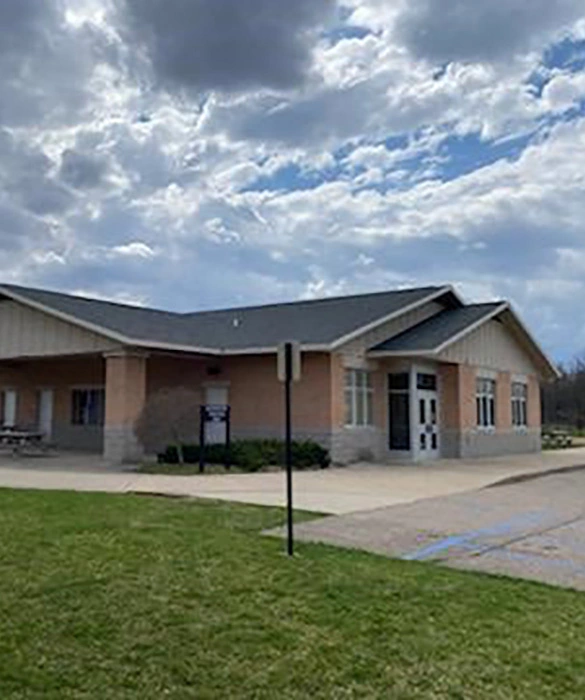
[(485, 403), (88, 413), (519, 405), (358, 390)]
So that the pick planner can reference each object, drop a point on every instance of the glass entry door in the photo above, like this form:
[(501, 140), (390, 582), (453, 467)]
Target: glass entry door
[(427, 425), (399, 422)]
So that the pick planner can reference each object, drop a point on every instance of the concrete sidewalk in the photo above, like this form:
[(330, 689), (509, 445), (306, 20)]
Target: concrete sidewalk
[(333, 491)]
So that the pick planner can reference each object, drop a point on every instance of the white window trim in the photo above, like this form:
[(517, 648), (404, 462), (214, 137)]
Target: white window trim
[(358, 392), (519, 427), (491, 377)]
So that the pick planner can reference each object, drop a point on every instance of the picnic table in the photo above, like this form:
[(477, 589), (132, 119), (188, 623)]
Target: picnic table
[(18, 439), (557, 439)]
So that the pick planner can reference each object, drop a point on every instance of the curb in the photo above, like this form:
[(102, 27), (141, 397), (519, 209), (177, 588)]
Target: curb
[(531, 476)]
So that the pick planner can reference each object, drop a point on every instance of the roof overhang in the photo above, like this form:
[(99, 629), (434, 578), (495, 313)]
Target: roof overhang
[(127, 340), (432, 296), (105, 332), (548, 368)]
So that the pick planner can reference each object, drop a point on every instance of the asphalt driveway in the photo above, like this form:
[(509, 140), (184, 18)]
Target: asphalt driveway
[(531, 529)]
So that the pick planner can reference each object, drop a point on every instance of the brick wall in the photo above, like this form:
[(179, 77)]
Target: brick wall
[(255, 394), (449, 383), (504, 401)]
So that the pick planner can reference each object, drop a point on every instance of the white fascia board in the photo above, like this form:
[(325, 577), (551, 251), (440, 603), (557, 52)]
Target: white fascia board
[(401, 353), (432, 352), (269, 350), (176, 347), (396, 314)]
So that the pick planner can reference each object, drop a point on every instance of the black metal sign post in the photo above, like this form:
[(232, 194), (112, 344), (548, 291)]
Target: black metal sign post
[(202, 421), (228, 439), (289, 371), (288, 368), (214, 414)]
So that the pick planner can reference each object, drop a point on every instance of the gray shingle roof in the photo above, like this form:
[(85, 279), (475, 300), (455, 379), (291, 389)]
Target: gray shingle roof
[(431, 334), (315, 322)]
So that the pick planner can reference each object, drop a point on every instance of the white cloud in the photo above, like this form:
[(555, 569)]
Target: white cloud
[(136, 249), (563, 91), (121, 298), (109, 180)]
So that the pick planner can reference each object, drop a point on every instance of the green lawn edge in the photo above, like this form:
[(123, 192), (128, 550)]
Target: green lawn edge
[(125, 596)]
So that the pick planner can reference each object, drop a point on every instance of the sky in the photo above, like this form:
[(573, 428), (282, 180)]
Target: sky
[(193, 154)]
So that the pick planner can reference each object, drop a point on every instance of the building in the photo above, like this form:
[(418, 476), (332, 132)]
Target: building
[(411, 374)]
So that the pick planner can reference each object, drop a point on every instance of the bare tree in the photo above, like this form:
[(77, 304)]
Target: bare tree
[(564, 400), (169, 417)]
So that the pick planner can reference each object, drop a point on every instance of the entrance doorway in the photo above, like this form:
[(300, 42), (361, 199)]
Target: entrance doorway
[(427, 418), (427, 429), (413, 414), (45, 412)]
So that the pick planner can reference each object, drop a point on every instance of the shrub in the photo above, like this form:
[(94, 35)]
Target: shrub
[(168, 417), (252, 455)]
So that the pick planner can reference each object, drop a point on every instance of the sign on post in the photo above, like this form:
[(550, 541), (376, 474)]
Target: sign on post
[(295, 373), (289, 371), (214, 414)]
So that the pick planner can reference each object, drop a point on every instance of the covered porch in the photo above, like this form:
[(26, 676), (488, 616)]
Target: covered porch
[(89, 403)]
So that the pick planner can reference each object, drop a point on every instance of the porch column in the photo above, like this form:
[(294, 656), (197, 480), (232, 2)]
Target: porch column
[(125, 398)]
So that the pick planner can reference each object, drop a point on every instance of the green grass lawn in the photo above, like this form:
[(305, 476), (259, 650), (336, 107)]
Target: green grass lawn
[(138, 597)]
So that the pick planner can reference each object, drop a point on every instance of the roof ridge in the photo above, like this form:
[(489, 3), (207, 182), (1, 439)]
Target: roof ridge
[(318, 300), (228, 309)]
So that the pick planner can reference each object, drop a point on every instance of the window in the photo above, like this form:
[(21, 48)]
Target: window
[(426, 382), (87, 406), (358, 397), (399, 382), (486, 403), (9, 402), (519, 405)]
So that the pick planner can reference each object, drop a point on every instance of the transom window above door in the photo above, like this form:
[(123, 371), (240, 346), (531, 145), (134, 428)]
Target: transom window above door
[(399, 382), (359, 397), (426, 382)]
